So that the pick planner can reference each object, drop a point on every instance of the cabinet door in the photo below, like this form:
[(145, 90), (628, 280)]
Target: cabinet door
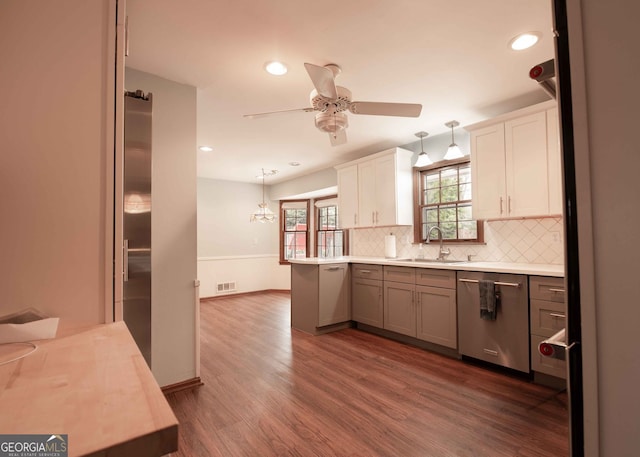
[(366, 193), (366, 301), (399, 309), (385, 191), (526, 166), (348, 196), (488, 171), (554, 159), (436, 316), (333, 301)]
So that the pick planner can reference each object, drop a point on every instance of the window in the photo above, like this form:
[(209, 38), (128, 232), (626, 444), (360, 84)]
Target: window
[(444, 200), (330, 240), (294, 233)]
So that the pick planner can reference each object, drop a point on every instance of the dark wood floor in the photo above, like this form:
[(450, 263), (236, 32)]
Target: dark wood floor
[(273, 391)]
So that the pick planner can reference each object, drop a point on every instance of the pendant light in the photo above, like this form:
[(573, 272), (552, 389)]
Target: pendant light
[(454, 151), (263, 213), (423, 159)]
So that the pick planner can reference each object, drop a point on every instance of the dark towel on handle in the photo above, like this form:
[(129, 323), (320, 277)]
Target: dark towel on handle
[(488, 305)]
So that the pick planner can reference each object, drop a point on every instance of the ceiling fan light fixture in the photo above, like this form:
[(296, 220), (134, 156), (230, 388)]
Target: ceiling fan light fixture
[(453, 152), (423, 159), (276, 68), (524, 41), (331, 122)]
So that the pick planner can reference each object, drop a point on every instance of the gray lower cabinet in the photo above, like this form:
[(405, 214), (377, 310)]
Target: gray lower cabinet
[(421, 302), (320, 296), (367, 294), (399, 308), (548, 311), (437, 316)]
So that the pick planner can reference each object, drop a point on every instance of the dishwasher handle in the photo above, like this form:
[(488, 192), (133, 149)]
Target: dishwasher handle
[(497, 283)]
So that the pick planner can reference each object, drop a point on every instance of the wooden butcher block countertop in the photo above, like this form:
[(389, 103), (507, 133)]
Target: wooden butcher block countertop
[(93, 385)]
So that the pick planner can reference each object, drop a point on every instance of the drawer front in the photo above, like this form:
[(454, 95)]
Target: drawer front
[(546, 365), (366, 271), (400, 274), (547, 317), (436, 278), (546, 288)]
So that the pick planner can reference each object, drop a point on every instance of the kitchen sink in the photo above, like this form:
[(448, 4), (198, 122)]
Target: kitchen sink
[(445, 261)]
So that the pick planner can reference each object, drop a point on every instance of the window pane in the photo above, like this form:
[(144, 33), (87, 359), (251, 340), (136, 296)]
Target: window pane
[(431, 215), (289, 245), (449, 177), (468, 230), (432, 181), (339, 241), (465, 191), (447, 214), (464, 213), (450, 194), (290, 223), (449, 230), (464, 174), (433, 196)]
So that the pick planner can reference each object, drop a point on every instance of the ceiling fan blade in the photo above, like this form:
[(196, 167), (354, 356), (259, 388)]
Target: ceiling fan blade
[(322, 79), (386, 109), (251, 116), (338, 138)]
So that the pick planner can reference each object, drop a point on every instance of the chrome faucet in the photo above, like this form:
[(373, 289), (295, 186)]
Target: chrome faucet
[(442, 255)]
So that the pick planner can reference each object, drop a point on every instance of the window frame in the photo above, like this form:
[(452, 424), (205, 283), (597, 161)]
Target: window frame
[(282, 228), (417, 200), (317, 230)]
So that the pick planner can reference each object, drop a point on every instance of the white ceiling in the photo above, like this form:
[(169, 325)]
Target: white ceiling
[(449, 55)]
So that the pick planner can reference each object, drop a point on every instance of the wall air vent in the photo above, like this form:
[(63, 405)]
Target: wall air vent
[(225, 287)]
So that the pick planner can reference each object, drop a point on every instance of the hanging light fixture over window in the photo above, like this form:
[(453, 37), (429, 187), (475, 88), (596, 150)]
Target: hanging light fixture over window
[(263, 213), (423, 159), (454, 151)]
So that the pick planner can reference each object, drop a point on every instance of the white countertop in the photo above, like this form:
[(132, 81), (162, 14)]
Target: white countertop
[(497, 267)]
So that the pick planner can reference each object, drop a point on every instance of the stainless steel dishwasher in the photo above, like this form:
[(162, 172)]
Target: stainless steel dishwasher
[(505, 340)]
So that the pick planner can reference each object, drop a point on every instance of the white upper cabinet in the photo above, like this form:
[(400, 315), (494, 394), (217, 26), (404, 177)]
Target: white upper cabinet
[(515, 165), (377, 190), (348, 196)]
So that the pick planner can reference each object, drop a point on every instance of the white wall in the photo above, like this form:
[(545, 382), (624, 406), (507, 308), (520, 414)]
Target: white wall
[(607, 145), (173, 226), (56, 113), (232, 249), (323, 179)]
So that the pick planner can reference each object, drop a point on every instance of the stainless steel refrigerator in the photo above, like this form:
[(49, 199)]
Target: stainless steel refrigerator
[(136, 303)]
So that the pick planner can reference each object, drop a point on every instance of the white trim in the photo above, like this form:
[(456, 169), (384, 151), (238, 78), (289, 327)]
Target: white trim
[(109, 145), (118, 173), (235, 257), (294, 205), (326, 202), (513, 114)]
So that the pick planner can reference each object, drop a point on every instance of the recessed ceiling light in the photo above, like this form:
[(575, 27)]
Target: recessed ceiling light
[(206, 148), (294, 164), (276, 68), (524, 41)]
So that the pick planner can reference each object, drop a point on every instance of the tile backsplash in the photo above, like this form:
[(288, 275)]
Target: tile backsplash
[(521, 240)]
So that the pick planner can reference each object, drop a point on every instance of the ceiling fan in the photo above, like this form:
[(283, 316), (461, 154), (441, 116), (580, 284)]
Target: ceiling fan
[(331, 102)]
